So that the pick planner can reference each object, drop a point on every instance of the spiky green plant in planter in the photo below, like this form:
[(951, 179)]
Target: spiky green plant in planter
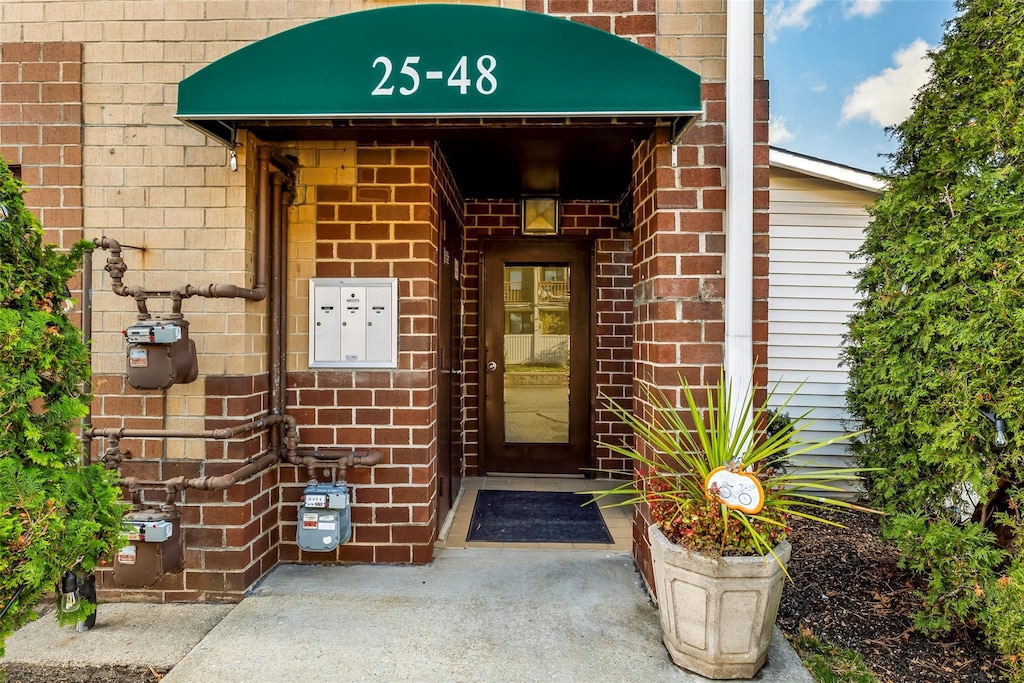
[(689, 443), (721, 501), (55, 514)]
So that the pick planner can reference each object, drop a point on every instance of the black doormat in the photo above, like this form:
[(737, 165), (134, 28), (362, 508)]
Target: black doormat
[(536, 517)]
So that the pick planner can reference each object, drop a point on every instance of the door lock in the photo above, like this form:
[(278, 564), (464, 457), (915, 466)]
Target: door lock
[(492, 366)]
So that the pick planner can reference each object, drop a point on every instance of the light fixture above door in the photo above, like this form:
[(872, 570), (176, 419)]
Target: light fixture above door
[(540, 215)]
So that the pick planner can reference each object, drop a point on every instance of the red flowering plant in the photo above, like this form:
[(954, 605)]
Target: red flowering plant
[(717, 480)]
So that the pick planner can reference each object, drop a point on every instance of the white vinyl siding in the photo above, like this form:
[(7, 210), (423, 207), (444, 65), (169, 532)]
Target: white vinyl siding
[(815, 225)]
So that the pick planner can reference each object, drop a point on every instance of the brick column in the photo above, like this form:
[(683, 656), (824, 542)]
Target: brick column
[(679, 249)]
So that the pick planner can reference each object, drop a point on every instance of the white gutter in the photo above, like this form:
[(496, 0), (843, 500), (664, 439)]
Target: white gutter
[(739, 203)]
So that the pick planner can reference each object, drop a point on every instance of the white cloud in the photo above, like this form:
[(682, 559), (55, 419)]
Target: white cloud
[(819, 87), (887, 99), (861, 8), (787, 14), (777, 131)]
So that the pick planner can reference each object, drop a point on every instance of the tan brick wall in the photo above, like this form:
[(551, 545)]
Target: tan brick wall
[(693, 33)]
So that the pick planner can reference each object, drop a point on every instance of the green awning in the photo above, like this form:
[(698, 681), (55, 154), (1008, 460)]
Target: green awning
[(437, 62)]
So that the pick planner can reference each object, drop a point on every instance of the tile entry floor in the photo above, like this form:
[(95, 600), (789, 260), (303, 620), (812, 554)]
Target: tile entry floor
[(618, 519)]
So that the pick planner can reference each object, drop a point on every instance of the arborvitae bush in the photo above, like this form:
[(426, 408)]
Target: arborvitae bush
[(55, 514), (939, 336)]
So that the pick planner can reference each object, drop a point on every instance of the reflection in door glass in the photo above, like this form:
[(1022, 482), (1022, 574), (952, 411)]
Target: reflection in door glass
[(536, 354)]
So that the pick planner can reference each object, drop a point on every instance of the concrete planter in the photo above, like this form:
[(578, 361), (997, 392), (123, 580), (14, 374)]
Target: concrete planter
[(717, 614)]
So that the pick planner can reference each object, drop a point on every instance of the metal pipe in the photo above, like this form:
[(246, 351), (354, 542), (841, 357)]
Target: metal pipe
[(739, 195), (116, 266), (112, 458), (11, 601), (222, 291), (262, 217), (281, 298), (282, 162), (222, 481), (276, 290), (310, 459), (349, 458), (222, 433), (281, 254)]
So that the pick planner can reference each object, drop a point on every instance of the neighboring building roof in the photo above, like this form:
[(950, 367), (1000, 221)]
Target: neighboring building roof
[(827, 170)]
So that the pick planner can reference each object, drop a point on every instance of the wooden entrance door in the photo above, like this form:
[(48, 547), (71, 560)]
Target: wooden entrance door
[(449, 368), (535, 362)]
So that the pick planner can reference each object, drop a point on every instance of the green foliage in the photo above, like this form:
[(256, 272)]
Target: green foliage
[(688, 444), (957, 561), (554, 322), (939, 336), (55, 514), (1003, 619), (830, 664)]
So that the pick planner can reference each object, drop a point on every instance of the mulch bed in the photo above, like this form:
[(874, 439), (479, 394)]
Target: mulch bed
[(848, 591), (29, 673)]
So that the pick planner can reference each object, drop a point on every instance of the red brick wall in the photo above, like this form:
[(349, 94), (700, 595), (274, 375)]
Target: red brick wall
[(385, 226), (231, 537), (633, 19), (41, 129), (612, 352)]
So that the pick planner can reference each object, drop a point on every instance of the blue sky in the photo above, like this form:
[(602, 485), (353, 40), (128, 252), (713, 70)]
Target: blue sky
[(842, 70)]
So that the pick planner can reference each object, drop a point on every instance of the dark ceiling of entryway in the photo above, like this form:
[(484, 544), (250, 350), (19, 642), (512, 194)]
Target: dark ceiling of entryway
[(574, 158), (572, 163)]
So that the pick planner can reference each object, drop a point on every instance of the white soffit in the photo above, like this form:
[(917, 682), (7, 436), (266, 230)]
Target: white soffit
[(826, 170)]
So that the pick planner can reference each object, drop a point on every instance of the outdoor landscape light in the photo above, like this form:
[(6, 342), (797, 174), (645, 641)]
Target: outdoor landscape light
[(1000, 425), (68, 602), (540, 215)]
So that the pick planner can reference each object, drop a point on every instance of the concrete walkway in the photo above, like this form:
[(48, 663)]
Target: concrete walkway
[(473, 614)]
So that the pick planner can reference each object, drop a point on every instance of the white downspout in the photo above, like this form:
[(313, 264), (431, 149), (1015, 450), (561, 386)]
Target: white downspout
[(739, 204)]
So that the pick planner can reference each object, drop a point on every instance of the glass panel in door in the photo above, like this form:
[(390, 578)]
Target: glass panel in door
[(537, 349)]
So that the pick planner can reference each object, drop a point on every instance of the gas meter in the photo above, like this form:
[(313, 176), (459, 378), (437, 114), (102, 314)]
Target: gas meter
[(325, 518), (160, 354), (154, 548)]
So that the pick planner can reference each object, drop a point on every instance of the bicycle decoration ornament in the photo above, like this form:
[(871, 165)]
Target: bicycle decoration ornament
[(737, 490)]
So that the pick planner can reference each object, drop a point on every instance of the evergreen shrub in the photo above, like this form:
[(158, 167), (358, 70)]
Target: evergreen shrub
[(55, 514), (938, 339)]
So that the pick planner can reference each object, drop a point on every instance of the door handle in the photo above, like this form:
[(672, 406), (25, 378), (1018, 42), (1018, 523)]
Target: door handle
[(492, 366), (455, 372)]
